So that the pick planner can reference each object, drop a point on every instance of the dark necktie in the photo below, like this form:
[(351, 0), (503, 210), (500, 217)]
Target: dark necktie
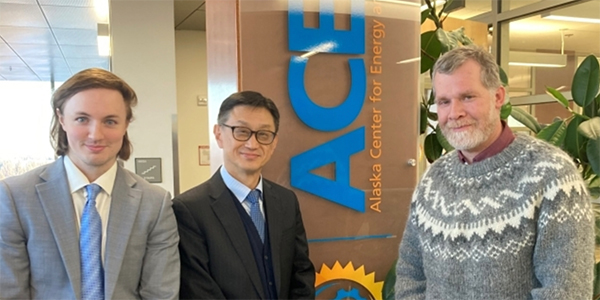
[(255, 214), (90, 246)]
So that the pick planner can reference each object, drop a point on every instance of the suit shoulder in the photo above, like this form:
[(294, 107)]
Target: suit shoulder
[(27, 179), (194, 193), (277, 188)]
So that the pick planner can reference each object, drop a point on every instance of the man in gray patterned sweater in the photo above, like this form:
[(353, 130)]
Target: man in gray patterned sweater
[(503, 216)]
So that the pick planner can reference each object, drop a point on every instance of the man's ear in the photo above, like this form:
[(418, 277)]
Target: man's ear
[(218, 135), (60, 117), (499, 97)]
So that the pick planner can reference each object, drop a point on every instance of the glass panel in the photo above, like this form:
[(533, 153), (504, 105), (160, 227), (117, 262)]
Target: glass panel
[(24, 126), (472, 8), (512, 4), (520, 77), (33, 59), (541, 37)]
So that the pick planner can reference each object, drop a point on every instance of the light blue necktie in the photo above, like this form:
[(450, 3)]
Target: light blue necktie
[(255, 214), (90, 245)]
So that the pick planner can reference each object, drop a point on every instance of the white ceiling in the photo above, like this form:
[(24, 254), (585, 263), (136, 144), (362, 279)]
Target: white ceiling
[(50, 40), (43, 40)]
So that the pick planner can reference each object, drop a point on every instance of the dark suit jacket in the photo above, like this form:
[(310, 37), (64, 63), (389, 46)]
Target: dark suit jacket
[(39, 241), (216, 256)]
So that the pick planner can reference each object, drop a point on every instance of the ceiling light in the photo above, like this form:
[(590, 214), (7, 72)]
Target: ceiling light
[(537, 59), (571, 19), (101, 8), (103, 39)]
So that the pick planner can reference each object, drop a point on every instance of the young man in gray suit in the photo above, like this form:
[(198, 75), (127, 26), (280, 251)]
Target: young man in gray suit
[(83, 227), (242, 236)]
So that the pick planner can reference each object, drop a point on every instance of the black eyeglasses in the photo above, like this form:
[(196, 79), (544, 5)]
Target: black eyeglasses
[(243, 134)]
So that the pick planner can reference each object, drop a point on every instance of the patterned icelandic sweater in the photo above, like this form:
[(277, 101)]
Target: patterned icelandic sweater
[(518, 225)]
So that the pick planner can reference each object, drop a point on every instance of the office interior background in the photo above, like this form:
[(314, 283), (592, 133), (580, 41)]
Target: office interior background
[(159, 47), (162, 49)]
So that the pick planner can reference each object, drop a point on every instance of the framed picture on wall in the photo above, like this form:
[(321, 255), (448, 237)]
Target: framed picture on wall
[(149, 168), (204, 155)]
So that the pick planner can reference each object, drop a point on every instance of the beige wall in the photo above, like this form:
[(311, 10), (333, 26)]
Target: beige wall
[(143, 54), (193, 127)]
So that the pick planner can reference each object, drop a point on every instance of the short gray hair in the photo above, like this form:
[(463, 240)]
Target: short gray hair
[(453, 59)]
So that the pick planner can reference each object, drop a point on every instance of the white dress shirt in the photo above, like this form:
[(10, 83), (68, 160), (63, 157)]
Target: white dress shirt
[(241, 191), (78, 181)]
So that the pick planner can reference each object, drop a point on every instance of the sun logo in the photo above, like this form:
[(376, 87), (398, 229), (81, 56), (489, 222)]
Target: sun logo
[(347, 283)]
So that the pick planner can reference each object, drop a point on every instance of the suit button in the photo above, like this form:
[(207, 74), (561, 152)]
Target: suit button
[(266, 257), (270, 283)]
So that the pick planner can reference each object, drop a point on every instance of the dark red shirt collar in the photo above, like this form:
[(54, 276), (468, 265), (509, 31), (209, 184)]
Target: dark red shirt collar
[(506, 137)]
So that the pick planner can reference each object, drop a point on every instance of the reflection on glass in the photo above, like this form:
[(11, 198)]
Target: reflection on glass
[(539, 34), (519, 78), (472, 8), (24, 126), (512, 4)]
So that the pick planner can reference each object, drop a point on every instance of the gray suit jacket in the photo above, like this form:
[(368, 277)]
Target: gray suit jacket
[(39, 242), (216, 256)]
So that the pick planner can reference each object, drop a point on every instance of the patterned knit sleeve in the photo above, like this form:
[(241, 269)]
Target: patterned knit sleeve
[(410, 278), (564, 250)]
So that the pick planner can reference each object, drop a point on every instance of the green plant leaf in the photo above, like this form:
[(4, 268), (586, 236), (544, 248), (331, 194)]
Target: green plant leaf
[(593, 109), (452, 39), (590, 128), (445, 40), (596, 275), (431, 98), (389, 282), (432, 116), (554, 133), (458, 36), (503, 76), (424, 15), (593, 151), (423, 119), (558, 96), (594, 181), (594, 186), (430, 50), (505, 111), (586, 81), (433, 149), (526, 119), (442, 139), (595, 192), (575, 143)]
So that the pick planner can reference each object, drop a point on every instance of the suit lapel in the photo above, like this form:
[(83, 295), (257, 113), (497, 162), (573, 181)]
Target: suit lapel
[(224, 209), (124, 206), (56, 200), (274, 211)]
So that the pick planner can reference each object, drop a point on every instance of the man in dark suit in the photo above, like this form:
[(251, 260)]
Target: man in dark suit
[(83, 227), (242, 236)]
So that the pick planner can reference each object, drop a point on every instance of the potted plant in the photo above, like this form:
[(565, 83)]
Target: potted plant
[(578, 135)]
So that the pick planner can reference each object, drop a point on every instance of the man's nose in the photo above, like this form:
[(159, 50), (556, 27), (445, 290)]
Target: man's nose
[(252, 142), (95, 131), (456, 109)]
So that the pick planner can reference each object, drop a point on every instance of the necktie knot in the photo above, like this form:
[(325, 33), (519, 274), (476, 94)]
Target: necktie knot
[(92, 191), (253, 196)]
